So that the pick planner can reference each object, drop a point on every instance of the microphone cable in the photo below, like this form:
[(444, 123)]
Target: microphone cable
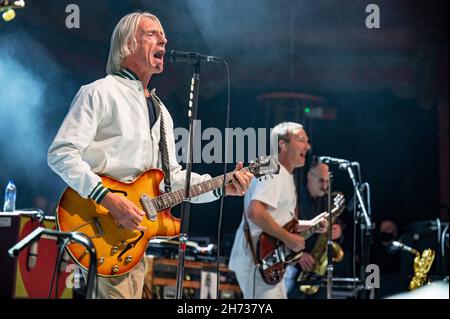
[(62, 244), (225, 168)]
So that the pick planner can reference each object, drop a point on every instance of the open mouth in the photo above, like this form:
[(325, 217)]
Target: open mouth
[(159, 55)]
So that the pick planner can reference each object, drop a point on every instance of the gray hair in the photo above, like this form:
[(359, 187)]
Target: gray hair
[(123, 41), (281, 132)]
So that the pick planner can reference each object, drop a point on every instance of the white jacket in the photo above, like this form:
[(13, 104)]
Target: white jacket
[(107, 132)]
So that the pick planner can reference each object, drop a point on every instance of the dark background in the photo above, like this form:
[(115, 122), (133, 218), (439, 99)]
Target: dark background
[(387, 88)]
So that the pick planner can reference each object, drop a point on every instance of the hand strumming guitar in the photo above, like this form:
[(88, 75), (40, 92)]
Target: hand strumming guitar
[(124, 211), (294, 242)]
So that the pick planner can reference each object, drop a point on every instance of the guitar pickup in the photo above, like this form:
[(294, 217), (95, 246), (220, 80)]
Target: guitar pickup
[(149, 210), (279, 255)]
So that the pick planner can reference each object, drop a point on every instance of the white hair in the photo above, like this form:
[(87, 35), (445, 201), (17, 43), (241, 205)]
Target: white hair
[(281, 132), (123, 41)]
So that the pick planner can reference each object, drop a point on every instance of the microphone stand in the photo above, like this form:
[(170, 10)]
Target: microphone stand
[(91, 291), (330, 266), (360, 211), (186, 205), (35, 214)]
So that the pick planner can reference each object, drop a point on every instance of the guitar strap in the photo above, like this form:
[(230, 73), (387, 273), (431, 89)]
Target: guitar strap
[(250, 241), (164, 155), (163, 144)]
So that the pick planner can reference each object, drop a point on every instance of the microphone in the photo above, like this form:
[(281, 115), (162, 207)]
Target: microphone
[(345, 165), (189, 57), (331, 160), (396, 245), (32, 255)]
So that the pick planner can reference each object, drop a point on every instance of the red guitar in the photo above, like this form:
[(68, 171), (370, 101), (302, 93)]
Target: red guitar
[(273, 255)]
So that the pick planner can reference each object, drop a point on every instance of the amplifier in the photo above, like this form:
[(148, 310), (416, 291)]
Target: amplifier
[(199, 280), (30, 274)]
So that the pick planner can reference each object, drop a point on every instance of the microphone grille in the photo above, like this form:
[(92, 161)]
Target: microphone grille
[(315, 160), (394, 247), (170, 56)]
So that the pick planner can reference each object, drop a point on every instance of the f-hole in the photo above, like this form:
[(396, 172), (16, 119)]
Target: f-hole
[(118, 191), (130, 245)]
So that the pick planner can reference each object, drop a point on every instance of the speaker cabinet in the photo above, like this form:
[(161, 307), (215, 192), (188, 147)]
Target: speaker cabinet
[(29, 275)]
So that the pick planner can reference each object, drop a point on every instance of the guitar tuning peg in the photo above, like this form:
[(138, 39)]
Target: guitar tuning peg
[(271, 177)]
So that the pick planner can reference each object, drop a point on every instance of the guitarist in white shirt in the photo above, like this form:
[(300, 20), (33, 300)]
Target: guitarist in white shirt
[(269, 205), (113, 128)]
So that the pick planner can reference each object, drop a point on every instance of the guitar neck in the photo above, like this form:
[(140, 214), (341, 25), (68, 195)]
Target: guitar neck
[(171, 199), (310, 231)]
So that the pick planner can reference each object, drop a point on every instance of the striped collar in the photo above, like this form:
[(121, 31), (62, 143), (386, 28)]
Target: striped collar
[(130, 75), (127, 74)]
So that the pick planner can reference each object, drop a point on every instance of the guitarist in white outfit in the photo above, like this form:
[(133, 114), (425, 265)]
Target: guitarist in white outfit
[(269, 205), (113, 128)]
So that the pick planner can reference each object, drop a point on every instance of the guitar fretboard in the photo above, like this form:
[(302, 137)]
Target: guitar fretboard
[(171, 199), (310, 231)]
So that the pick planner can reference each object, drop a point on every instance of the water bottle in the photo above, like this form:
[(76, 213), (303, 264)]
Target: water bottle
[(10, 197)]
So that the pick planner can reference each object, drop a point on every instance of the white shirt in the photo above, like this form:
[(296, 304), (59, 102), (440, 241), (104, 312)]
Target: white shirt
[(107, 132), (280, 195)]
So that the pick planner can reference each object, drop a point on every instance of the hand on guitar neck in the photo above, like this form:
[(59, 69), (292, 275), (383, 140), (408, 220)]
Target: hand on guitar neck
[(297, 243), (124, 211), (319, 219), (240, 182)]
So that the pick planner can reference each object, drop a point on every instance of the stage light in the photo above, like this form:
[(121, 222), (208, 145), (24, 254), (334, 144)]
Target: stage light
[(7, 8), (8, 15)]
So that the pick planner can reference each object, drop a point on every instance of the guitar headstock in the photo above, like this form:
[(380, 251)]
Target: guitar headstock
[(264, 165), (338, 203)]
